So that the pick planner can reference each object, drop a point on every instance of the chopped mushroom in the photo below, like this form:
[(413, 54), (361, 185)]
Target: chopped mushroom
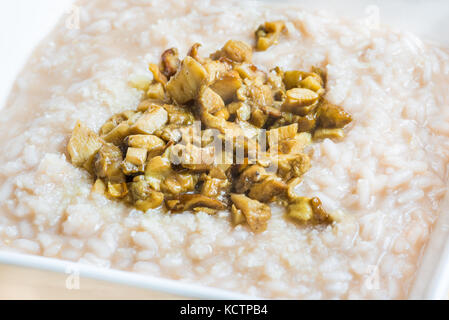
[(237, 216), (332, 116), (275, 136), (152, 144), (170, 62), (190, 201), (256, 213), (227, 85), (160, 155), (308, 210), (186, 83), (249, 177), (234, 50), (268, 34), (300, 101), (83, 146), (152, 120), (267, 190), (107, 163), (321, 134), (177, 183)]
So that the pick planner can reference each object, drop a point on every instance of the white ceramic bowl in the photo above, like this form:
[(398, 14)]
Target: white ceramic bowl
[(23, 23)]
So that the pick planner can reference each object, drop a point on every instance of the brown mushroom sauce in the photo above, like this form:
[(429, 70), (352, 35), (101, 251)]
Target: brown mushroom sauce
[(130, 156)]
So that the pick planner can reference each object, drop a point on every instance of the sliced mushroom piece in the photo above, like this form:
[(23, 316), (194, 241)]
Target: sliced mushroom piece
[(322, 74), (297, 144), (291, 165), (156, 170), (292, 79), (267, 190), (178, 115), (258, 118), (300, 101), (153, 144), (143, 196), (301, 210), (308, 122), (158, 76), (249, 71), (190, 201), (209, 101), (107, 163), (134, 161), (179, 182), (251, 175), (154, 200), (235, 50), (170, 62), (83, 145), (312, 83), (153, 119), (257, 214), (149, 104), (186, 83), (321, 134), (227, 85), (268, 34), (215, 69), (260, 95), (213, 187), (332, 116), (116, 135), (275, 136), (237, 216), (309, 211), (117, 190), (193, 52), (321, 216), (156, 91)]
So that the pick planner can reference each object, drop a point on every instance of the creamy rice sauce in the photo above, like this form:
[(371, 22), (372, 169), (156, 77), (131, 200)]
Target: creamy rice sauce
[(388, 175)]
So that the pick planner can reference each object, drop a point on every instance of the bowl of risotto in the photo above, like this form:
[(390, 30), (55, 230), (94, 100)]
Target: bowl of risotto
[(280, 150)]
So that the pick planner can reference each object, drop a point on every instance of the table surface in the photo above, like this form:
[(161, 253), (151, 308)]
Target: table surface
[(29, 284)]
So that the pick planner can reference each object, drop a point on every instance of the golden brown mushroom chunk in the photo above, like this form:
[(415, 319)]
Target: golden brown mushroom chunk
[(190, 201), (235, 50), (308, 210), (152, 120), (249, 177), (268, 34), (151, 143), (227, 85), (332, 116), (267, 190), (186, 83), (144, 196), (170, 62), (275, 136), (107, 163), (83, 146), (256, 213), (300, 101)]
